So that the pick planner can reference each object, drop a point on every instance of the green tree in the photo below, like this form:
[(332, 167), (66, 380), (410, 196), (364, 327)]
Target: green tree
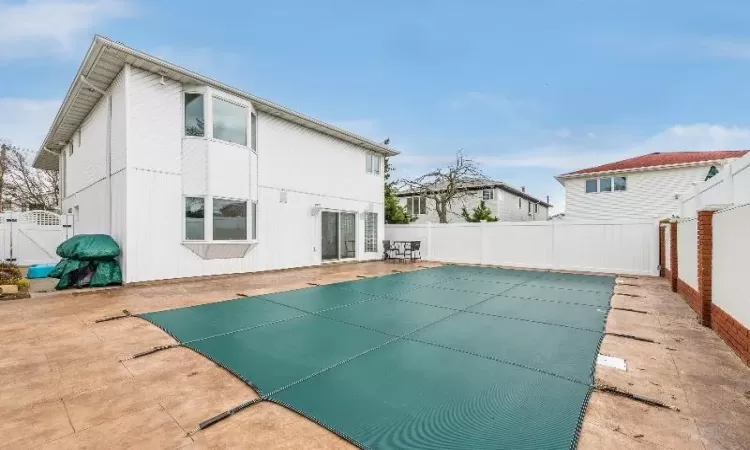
[(480, 213), (394, 212)]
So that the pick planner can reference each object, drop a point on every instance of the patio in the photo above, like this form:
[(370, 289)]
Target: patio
[(64, 386)]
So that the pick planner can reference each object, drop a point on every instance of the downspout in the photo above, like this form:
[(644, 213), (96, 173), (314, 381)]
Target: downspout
[(108, 151)]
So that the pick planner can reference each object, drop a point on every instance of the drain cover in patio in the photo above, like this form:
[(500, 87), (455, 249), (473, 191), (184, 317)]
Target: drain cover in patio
[(450, 357)]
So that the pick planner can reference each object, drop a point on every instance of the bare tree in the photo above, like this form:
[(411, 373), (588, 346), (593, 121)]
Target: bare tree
[(446, 186), (23, 185)]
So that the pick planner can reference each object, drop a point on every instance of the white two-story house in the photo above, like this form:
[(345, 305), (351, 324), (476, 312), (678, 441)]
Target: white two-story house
[(193, 177), (506, 202), (644, 186)]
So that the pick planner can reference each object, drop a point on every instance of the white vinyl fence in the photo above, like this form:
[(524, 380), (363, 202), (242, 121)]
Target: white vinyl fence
[(620, 246), (32, 237), (731, 245)]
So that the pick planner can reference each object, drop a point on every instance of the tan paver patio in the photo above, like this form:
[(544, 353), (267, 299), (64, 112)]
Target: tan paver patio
[(62, 384)]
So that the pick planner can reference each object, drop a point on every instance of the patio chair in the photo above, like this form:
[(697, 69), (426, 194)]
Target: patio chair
[(413, 251), (387, 250)]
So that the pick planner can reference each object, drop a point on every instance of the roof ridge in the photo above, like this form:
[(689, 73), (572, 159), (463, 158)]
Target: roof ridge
[(660, 159)]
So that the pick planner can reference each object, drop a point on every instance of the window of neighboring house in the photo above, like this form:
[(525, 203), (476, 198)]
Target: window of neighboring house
[(230, 220), (230, 121), (371, 232), (253, 132), (416, 205), (79, 136), (528, 203), (519, 202), (194, 120), (536, 208), (195, 213), (372, 163), (488, 194), (254, 212), (606, 184)]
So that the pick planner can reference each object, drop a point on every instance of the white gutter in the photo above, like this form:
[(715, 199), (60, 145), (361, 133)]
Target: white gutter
[(108, 151)]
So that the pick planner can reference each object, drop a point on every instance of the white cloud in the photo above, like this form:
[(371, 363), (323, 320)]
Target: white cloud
[(34, 28), (369, 128), (514, 112), (226, 67), (25, 122), (725, 48), (566, 154)]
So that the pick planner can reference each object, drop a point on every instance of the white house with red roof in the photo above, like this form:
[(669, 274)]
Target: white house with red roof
[(643, 186)]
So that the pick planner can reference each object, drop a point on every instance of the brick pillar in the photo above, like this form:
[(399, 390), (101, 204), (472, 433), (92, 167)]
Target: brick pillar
[(662, 262), (673, 269), (705, 263)]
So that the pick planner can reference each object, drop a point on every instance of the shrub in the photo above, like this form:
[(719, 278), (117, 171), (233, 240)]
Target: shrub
[(23, 284), (9, 273)]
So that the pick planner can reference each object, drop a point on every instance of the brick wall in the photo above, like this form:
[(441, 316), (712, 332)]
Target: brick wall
[(736, 335), (691, 296), (732, 332), (662, 261), (673, 268), (705, 265)]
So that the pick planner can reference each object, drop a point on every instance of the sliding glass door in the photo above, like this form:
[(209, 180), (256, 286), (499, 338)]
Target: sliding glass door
[(338, 235), (330, 233)]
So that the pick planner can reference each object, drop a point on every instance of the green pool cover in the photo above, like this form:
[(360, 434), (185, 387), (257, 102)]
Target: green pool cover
[(449, 357)]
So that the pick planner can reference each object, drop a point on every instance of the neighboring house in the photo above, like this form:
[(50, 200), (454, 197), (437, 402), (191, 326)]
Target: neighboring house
[(506, 202), (193, 177), (644, 186)]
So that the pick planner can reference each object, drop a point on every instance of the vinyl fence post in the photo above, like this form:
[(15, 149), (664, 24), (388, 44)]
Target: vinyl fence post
[(482, 258), (429, 241)]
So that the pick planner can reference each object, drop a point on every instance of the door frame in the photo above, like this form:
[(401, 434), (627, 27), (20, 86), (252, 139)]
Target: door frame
[(319, 225)]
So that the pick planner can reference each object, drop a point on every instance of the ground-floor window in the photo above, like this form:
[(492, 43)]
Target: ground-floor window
[(195, 218), (254, 213), (371, 232), (230, 220)]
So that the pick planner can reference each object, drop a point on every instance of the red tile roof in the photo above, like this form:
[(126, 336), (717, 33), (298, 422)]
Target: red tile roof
[(661, 159)]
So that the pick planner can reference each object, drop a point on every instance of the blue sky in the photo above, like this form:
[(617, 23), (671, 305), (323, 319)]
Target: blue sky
[(528, 89)]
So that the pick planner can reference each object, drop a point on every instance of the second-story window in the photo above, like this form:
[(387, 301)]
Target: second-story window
[(372, 163), (253, 132), (488, 194), (194, 119), (230, 121)]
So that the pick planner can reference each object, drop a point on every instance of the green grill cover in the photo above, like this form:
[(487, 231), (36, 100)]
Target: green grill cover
[(89, 247)]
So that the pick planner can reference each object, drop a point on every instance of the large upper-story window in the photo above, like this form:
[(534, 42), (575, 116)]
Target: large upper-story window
[(253, 132), (230, 121), (194, 120)]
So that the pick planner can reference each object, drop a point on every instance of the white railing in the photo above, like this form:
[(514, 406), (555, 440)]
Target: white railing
[(618, 246), (731, 186)]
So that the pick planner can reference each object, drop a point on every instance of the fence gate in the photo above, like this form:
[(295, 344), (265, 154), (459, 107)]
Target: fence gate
[(31, 237)]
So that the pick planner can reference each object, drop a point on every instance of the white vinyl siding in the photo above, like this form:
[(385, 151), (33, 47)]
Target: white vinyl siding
[(646, 194)]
